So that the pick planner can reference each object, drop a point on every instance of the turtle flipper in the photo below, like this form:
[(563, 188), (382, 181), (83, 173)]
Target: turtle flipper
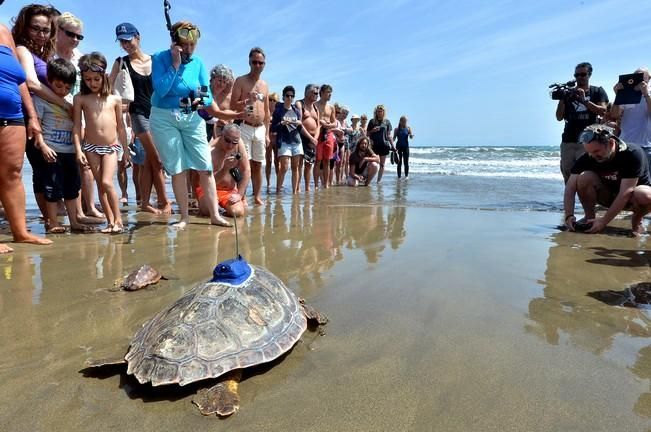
[(221, 399), (312, 314), (91, 363)]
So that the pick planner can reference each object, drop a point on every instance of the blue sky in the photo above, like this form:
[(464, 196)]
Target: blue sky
[(464, 72)]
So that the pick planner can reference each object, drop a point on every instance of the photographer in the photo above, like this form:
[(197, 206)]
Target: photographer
[(636, 118), (232, 172), (611, 173), (579, 108), (180, 83)]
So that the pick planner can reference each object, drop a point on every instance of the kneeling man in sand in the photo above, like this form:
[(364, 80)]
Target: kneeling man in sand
[(232, 172), (611, 173)]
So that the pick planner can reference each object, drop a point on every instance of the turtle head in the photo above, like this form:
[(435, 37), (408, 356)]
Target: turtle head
[(233, 271)]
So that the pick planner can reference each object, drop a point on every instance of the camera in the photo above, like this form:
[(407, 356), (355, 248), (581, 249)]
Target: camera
[(186, 103), (238, 156), (237, 175), (563, 91)]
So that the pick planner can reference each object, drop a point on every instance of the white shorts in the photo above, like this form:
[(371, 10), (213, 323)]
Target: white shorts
[(254, 139)]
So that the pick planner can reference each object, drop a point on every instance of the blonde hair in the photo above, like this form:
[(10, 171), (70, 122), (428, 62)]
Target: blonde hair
[(67, 18), (273, 97), (378, 108)]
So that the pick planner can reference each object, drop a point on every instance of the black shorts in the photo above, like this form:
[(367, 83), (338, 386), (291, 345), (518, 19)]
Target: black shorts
[(381, 149), (309, 150), (62, 178)]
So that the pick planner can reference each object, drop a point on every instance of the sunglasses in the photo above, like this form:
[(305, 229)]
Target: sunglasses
[(582, 75), (72, 35), (187, 34), (41, 30), (600, 134), (288, 95), (230, 141), (91, 67), (257, 63)]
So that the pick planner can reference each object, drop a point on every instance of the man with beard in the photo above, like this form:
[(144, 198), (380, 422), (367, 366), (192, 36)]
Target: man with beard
[(611, 173)]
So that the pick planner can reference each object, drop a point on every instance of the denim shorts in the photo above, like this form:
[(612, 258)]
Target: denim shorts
[(287, 149), (180, 139)]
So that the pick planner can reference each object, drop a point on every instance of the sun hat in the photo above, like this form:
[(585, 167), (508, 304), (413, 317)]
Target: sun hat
[(354, 116), (126, 31)]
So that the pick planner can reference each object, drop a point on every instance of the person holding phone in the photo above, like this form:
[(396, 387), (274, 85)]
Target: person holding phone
[(181, 86), (379, 130), (636, 118)]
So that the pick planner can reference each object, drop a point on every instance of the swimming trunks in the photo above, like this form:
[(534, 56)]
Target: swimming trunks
[(223, 195), (325, 148)]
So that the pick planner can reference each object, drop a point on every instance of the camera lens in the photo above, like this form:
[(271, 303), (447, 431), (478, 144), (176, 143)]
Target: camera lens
[(238, 156)]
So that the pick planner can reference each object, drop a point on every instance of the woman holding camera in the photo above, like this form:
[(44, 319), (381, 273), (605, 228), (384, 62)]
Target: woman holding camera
[(181, 86)]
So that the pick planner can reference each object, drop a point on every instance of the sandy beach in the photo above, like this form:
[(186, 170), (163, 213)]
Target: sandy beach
[(440, 320)]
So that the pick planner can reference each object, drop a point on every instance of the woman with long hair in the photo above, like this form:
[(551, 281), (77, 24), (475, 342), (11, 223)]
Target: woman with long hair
[(138, 64), (379, 130), (34, 33), (13, 134), (362, 164), (402, 134)]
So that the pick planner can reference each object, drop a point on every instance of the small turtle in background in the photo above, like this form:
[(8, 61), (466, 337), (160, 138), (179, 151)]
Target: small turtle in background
[(636, 296), (141, 277), (244, 316)]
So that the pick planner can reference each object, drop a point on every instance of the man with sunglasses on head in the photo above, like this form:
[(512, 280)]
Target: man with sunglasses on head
[(578, 111), (611, 173), (250, 88)]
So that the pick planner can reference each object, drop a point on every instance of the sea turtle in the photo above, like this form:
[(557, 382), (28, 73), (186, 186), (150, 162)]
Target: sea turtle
[(242, 317), (139, 278)]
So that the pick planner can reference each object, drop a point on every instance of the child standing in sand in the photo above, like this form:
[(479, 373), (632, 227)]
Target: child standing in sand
[(104, 138), (61, 177)]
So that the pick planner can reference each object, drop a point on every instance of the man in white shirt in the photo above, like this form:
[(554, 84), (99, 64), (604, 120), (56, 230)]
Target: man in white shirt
[(636, 118)]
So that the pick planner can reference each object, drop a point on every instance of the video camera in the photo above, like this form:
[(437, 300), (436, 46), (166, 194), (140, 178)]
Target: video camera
[(563, 91), (186, 103)]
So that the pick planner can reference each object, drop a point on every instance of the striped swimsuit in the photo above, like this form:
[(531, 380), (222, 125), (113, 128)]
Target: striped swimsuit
[(102, 150)]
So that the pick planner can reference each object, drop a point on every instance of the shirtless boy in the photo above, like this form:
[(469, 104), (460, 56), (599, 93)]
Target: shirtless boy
[(327, 142), (230, 191), (255, 129), (310, 130)]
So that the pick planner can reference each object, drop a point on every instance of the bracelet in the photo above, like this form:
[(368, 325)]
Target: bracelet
[(568, 216)]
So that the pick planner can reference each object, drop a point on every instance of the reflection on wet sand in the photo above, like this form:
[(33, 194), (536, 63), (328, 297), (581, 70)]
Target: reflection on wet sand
[(568, 311)]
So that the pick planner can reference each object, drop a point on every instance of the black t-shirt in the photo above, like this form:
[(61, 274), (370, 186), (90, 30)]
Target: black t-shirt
[(358, 161), (142, 90), (380, 138), (629, 162), (577, 116)]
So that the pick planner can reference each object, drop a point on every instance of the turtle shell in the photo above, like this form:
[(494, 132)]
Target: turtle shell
[(216, 327)]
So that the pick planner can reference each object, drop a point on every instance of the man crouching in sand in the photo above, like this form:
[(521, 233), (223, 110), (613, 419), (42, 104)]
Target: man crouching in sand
[(612, 173), (232, 173)]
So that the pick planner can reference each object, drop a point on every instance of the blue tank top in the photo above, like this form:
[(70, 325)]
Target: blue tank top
[(40, 67), (11, 76), (403, 137)]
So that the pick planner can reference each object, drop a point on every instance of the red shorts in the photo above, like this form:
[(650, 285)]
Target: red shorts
[(223, 195), (325, 149)]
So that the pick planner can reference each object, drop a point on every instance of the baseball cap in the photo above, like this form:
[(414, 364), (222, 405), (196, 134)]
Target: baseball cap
[(354, 116), (126, 31)]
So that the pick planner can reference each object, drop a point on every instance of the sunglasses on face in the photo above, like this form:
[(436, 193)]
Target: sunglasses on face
[(72, 35), (41, 30), (582, 75), (187, 34), (289, 95), (230, 141), (257, 63), (91, 67)]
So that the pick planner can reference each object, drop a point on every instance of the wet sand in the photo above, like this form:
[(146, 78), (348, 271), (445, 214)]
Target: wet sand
[(441, 319)]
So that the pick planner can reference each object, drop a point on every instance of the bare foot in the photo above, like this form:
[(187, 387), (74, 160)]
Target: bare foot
[(91, 220), (637, 225), (124, 201), (96, 214), (4, 249), (58, 229), (180, 224), (107, 230), (220, 221), (82, 229), (258, 201), (30, 238), (165, 209), (117, 228), (149, 209)]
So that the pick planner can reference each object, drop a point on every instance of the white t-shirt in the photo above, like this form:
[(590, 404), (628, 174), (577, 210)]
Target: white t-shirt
[(56, 125), (636, 124)]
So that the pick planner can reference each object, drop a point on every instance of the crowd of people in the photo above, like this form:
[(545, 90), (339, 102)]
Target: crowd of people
[(606, 150), (79, 122)]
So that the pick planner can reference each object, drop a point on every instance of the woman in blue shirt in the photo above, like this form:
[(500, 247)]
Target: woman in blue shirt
[(402, 134), (180, 79)]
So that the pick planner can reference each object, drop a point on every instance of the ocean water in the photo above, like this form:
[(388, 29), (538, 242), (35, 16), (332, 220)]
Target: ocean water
[(490, 178)]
